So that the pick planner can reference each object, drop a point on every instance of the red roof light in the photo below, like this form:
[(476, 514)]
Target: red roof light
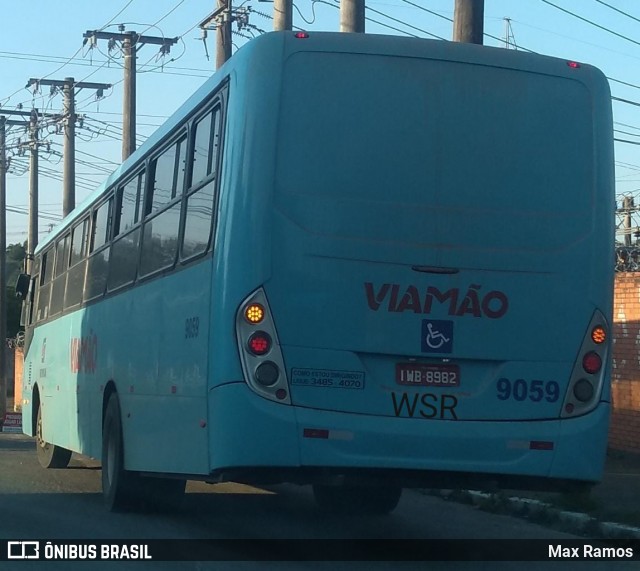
[(573, 64), (301, 35)]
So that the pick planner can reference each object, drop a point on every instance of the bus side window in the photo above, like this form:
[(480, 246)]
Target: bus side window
[(29, 309), (168, 177), (59, 281), (98, 263), (124, 250), (77, 265), (160, 231), (46, 274), (200, 197)]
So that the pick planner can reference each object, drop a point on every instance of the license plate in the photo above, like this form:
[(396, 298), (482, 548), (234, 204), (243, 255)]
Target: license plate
[(427, 375)]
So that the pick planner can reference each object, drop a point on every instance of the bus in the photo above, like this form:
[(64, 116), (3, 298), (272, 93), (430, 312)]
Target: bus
[(358, 262)]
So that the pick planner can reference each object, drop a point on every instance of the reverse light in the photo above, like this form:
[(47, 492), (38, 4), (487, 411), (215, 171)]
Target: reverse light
[(598, 335), (267, 373), (259, 343), (591, 363), (254, 313), (583, 390)]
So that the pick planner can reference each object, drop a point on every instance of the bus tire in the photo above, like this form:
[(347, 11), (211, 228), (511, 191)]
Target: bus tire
[(49, 455), (121, 489), (365, 500)]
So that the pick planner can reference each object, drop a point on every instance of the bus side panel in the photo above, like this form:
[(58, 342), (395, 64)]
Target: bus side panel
[(160, 369)]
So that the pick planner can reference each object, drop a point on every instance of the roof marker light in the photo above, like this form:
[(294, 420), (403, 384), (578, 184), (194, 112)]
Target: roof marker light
[(573, 64), (301, 35)]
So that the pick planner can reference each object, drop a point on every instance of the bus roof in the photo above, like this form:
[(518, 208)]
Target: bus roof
[(337, 42)]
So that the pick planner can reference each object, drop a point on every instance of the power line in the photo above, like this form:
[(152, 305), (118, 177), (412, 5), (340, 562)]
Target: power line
[(591, 22), (618, 10)]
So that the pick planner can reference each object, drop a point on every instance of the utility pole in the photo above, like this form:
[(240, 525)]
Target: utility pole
[(3, 269), (352, 17), (468, 21), (223, 33), (220, 20), (33, 144), (69, 86), (3, 254), (129, 110), (32, 237), (282, 15), (131, 42)]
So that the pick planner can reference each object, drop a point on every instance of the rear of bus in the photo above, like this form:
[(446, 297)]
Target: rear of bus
[(434, 299)]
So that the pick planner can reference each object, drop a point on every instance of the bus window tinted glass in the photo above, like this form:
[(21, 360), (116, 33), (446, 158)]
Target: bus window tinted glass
[(79, 238), (75, 284), (47, 267), (160, 241), (101, 223), (201, 146), (97, 270), (62, 255), (124, 260), (197, 226), (128, 205), (168, 177)]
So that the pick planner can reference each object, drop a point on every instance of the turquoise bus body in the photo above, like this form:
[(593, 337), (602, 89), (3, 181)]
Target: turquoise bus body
[(431, 228)]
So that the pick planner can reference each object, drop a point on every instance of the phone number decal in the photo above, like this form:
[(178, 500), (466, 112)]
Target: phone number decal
[(327, 378)]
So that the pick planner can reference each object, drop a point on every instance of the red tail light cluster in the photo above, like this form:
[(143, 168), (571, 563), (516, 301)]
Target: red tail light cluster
[(260, 353), (587, 378)]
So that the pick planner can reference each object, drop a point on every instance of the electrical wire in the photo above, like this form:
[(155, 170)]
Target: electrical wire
[(591, 22), (618, 10)]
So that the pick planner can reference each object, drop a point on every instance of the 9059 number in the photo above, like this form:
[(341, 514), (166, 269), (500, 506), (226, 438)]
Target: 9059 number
[(534, 391)]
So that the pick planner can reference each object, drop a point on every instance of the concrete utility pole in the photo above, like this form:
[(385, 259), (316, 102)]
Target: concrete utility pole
[(69, 87), (220, 20), (131, 42), (468, 21), (352, 17), (129, 111), (282, 15), (33, 116), (223, 33), (32, 237), (3, 269)]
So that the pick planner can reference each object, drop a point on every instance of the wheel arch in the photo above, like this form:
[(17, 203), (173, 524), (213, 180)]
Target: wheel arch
[(109, 390), (35, 404)]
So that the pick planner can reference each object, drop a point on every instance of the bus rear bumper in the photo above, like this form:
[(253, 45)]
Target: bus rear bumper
[(259, 441)]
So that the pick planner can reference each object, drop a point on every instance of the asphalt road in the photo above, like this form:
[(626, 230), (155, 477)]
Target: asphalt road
[(67, 504)]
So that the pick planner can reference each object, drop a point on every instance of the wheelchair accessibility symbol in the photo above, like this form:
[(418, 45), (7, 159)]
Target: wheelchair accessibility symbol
[(437, 336)]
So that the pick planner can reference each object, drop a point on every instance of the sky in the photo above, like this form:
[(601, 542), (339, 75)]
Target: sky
[(44, 39)]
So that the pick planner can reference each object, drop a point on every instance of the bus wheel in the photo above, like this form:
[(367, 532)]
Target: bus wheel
[(371, 500), (49, 455), (120, 488)]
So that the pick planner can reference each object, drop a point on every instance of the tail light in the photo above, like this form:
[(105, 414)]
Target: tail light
[(260, 354), (588, 375)]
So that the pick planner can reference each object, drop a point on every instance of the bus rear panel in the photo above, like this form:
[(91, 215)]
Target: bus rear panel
[(437, 290)]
